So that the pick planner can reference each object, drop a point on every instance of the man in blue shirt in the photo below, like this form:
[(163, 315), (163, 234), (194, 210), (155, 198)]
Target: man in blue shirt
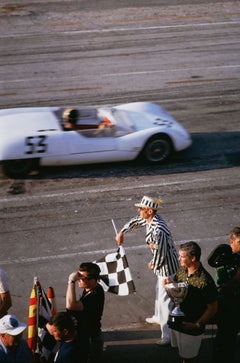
[(64, 330), (13, 349)]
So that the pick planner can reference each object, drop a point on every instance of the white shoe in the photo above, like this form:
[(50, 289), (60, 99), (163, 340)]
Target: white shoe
[(151, 321), (163, 341)]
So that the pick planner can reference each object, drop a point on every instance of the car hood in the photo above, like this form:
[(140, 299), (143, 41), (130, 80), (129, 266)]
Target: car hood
[(26, 121), (144, 115)]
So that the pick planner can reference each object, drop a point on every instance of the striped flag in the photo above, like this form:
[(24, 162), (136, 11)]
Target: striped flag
[(51, 298), (40, 310), (32, 320)]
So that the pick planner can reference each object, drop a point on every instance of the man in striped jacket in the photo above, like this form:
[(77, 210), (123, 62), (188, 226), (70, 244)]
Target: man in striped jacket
[(164, 257)]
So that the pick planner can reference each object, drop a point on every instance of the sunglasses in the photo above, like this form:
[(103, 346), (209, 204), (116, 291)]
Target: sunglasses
[(84, 278)]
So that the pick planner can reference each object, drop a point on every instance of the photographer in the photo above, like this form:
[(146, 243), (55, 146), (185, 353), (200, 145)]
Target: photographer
[(226, 259)]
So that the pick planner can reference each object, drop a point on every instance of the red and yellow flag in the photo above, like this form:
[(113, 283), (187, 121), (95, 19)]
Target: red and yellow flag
[(32, 320)]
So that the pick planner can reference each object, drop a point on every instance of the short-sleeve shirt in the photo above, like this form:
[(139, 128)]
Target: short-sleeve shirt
[(93, 303), (202, 291), (4, 286), (89, 319)]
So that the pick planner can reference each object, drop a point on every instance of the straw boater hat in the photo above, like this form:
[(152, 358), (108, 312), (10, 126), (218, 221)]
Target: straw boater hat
[(151, 203), (9, 324)]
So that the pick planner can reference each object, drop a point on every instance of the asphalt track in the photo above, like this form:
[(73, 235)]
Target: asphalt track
[(182, 55)]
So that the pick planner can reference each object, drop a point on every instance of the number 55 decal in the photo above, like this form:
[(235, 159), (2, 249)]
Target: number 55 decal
[(36, 144)]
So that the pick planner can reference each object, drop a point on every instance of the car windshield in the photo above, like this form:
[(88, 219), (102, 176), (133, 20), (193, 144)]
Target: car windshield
[(124, 124)]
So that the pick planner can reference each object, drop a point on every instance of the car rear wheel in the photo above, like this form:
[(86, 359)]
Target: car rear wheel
[(158, 149), (18, 168)]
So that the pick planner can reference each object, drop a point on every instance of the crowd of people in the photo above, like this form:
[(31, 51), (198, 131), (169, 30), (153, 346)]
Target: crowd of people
[(206, 300), (78, 328)]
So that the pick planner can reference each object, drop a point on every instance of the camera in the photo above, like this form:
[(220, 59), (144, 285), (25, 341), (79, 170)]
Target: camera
[(223, 259)]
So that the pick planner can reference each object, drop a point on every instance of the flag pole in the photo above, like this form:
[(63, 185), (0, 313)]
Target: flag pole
[(120, 248), (114, 226), (36, 284)]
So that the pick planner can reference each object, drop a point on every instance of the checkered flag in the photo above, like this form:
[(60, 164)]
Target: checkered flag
[(115, 275)]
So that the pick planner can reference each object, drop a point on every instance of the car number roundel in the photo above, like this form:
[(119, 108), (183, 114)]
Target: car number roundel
[(36, 144)]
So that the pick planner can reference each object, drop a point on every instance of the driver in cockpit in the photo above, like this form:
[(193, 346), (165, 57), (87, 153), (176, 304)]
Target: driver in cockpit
[(70, 117)]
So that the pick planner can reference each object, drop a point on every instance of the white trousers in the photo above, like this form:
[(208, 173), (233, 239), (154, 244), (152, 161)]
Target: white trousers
[(163, 306), (188, 345)]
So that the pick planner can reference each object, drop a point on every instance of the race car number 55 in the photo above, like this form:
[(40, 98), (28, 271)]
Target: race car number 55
[(36, 144)]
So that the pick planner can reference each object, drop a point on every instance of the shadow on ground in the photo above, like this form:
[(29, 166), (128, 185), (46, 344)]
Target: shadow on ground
[(209, 151), (139, 346)]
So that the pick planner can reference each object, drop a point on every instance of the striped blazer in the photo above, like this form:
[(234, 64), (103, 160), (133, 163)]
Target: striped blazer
[(164, 253)]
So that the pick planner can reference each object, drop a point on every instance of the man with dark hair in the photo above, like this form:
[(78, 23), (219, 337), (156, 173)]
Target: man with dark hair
[(88, 309), (228, 317), (199, 305), (64, 330)]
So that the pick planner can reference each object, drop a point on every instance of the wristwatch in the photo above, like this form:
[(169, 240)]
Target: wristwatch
[(71, 282), (199, 325)]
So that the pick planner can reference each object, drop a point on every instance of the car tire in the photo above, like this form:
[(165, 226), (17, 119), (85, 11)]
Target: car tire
[(19, 168), (158, 149)]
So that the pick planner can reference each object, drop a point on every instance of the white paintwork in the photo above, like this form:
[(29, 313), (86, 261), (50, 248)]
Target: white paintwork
[(38, 133)]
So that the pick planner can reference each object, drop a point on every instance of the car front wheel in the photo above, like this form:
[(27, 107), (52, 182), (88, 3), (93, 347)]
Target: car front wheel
[(18, 168), (158, 149)]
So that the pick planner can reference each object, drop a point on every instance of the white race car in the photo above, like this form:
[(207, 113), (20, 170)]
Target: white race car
[(51, 136)]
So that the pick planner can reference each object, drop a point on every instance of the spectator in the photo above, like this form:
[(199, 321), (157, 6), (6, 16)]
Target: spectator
[(88, 309), (228, 318), (164, 257), (64, 330), (13, 349), (5, 297), (199, 305)]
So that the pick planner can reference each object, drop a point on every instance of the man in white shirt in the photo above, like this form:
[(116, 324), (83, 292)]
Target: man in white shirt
[(5, 297)]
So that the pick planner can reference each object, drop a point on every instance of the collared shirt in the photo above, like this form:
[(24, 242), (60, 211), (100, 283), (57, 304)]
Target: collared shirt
[(201, 292), (69, 352), (164, 253), (22, 355)]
